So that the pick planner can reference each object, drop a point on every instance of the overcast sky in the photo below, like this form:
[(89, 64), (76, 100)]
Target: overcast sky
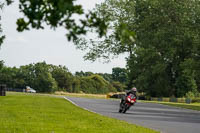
[(46, 45)]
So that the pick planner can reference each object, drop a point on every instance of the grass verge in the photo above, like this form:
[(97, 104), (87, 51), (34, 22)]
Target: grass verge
[(32, 113), (193, 106)]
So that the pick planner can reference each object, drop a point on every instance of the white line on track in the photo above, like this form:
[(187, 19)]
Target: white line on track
[(80, 106)]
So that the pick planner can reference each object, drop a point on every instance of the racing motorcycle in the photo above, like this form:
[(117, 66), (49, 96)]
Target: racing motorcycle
[(127, 103)]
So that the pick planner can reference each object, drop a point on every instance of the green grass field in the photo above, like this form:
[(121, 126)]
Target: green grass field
[(193, 106), (32, 113)]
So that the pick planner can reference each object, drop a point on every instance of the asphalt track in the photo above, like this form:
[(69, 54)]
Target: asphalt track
[(163, 118)]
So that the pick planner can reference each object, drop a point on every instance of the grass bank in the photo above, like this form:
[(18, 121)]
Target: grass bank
[(32, 113), (193, 106)]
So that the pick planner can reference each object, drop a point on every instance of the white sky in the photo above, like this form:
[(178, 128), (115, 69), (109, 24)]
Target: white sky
[(46, 45)]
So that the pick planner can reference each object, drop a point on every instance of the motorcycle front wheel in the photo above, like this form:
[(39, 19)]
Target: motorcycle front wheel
[(121, 106), (126, 107)]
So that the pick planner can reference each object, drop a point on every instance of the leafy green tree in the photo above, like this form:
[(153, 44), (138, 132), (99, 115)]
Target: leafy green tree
[(58, 13), (7, 76), (82, 74), (2, 4), (167, 37), (1, 64), (27, 73), (38, 76), (87, 85), (55, 13), (119, 86), (186, 82), (119, 74), (120, 38), (161, 38), (62, 76), (2, 37), (148, 74), (49, 78), (89, 82), (76, 85), (10, 77), (44, 81), (92, 84), (106, 76), (101, 85)]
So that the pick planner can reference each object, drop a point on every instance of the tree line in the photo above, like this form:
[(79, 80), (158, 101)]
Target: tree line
[(45, 77), (161, 38)]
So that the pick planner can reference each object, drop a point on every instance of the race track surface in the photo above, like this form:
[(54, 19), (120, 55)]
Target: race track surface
[(159, 117)]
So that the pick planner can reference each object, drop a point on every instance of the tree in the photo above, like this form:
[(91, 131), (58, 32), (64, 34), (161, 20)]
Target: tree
[(27, 73), (38, 76), (83, 74), (49, 78), (1, 64), (6, 76), (55, 13), (101, 85), (87, 85), (2, 37), (161, 38), (106, 76), (119, 74), (58, 13), (167, 38), (119, 86), (92, 84), (44, 81), (120, 15), (2, 4), (62, 76), (10, 77), (76, 85)]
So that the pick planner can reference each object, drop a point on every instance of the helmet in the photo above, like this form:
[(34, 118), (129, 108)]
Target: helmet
[(134, 89)]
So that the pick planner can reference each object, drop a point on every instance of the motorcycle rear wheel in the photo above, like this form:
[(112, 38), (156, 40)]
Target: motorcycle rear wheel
[(120, 110)]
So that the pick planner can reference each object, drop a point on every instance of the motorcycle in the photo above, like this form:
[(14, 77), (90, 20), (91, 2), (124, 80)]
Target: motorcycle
[(126, 103)]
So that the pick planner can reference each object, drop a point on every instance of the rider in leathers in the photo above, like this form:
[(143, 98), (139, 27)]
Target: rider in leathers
[(132, 91)]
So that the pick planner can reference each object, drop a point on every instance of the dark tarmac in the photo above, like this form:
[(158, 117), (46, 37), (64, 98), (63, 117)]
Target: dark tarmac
[(165, 119)]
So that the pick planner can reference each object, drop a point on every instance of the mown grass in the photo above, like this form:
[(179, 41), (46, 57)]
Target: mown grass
[(193, 106), (32, 113)]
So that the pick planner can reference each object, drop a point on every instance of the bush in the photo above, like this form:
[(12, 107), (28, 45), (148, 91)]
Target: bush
[(195, 100), (119, 86), (192, 94)]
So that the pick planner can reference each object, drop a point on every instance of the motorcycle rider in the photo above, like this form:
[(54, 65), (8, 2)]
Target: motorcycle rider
[(132, 91)]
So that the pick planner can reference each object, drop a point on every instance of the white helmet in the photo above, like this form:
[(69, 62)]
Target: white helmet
[(134, 89)]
